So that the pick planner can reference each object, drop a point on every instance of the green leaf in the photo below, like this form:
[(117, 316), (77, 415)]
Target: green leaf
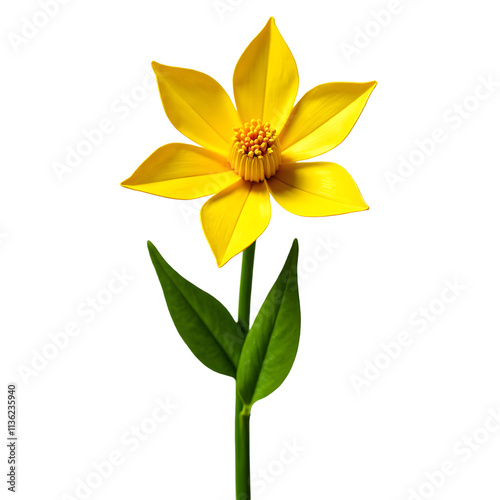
[(271, 344), (202, 321)]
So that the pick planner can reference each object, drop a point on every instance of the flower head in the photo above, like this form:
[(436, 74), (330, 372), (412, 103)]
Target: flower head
[(253, 151)]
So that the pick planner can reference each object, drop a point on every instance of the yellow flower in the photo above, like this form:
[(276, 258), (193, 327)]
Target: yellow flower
[(248, 153)]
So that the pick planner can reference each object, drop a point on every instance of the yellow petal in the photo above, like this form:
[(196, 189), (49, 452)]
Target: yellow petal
[(316, 189), (197, 106), (265, 79), (233, 219), (183, 172), (322, 119)]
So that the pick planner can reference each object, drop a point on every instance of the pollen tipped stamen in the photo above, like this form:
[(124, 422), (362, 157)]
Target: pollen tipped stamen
[(256, 152)]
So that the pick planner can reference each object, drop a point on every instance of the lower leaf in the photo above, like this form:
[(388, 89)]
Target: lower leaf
[(271, 344)]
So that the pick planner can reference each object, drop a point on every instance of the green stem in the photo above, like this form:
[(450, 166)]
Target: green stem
[(242, 414), (246, 288), (242, 454)]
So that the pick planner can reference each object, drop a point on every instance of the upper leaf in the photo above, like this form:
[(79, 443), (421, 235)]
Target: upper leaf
[(204, 324), (271, 344)]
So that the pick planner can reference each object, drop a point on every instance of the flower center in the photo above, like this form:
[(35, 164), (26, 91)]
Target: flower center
[(256, 152)]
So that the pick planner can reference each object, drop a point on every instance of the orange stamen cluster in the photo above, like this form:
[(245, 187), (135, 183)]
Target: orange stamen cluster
[(256, 151)]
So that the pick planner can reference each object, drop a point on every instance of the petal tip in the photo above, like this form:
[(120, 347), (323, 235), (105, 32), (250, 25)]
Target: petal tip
[(221, 261), (160, 69), (363, 206)]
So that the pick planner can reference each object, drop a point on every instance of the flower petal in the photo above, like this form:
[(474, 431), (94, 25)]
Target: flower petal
[(183, 172), (266, 79), (197, 106), (233, 219), (322, 119), (316, 189)]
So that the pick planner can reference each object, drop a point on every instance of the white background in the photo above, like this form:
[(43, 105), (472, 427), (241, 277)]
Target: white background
[(62, 237)]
